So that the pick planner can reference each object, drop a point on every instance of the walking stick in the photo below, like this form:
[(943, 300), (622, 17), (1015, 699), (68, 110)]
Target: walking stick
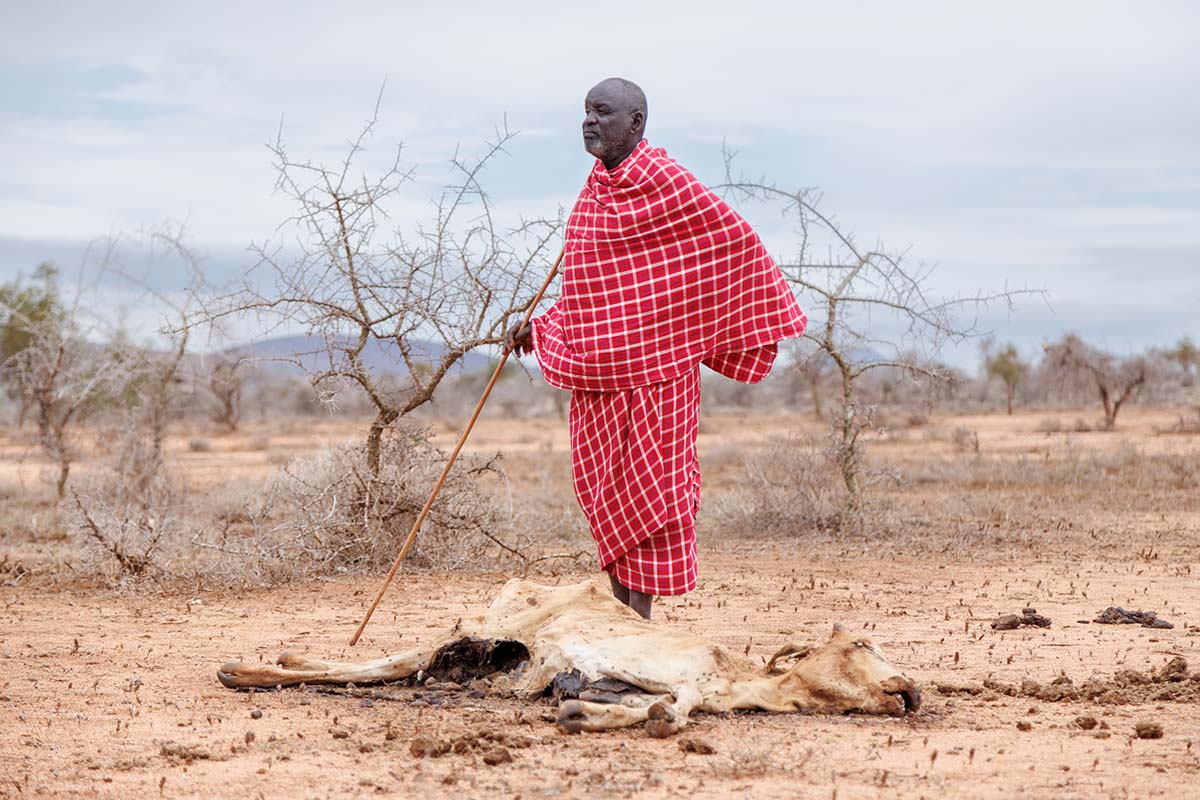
[(437, 487)]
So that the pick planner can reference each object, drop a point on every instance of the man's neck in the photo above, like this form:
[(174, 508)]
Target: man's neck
[(616, 162)]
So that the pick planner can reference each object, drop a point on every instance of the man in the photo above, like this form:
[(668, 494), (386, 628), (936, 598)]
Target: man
[(659, 276)]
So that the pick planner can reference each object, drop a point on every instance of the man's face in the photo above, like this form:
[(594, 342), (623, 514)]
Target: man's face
[(611, 126)]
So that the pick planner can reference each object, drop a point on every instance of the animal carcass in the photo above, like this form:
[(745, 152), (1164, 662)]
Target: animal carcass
[(534, 634)]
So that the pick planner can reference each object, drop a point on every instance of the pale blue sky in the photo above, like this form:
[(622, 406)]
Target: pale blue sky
[(1053, 145)]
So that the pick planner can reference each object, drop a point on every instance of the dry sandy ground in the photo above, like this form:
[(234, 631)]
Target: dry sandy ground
[(106, 694)]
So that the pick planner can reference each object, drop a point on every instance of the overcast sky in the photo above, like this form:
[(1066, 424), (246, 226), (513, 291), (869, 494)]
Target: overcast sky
[(1052, 145)]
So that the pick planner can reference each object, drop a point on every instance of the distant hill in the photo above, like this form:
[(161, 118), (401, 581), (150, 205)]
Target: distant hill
[(382, 358)]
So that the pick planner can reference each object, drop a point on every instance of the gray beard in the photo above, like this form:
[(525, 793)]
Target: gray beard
[(595, 148)]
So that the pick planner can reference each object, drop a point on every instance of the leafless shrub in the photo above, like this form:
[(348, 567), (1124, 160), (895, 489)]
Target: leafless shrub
[(965, 440), (131, 505), (129, 536), (1188, 422), (57, 371), (332, 513), (1050, 425), (132, 512), (791, 487)]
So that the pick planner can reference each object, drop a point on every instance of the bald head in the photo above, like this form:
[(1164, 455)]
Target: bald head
[(614, 120)]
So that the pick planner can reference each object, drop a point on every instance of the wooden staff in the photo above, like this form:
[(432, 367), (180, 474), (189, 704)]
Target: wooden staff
[(412, 535)]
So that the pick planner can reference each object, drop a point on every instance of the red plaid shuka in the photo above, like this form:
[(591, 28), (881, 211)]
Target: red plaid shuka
[(660, 275)]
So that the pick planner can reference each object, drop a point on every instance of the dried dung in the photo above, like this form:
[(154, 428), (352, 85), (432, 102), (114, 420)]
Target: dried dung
[(1115, 615), (1028, 618), (1148, 730)]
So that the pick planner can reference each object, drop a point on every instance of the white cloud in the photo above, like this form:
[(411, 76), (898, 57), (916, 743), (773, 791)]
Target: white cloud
[(1080, 116)]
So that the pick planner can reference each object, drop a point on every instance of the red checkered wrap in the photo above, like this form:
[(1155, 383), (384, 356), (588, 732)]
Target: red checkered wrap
[(659, 273), (661, 276)]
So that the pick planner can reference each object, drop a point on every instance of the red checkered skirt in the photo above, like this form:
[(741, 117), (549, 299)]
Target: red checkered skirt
[(637, 475)]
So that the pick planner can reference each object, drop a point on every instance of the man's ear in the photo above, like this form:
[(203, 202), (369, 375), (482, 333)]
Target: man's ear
[(639, 122)]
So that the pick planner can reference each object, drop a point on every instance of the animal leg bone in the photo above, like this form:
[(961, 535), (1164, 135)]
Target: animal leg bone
[(664, 715), (575, 716), (293, 670)]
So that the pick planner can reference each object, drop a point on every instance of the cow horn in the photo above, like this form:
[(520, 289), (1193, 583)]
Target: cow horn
[(792, 650)]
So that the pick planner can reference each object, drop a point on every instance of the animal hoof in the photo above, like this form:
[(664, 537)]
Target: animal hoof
[(661, 721), (228, 675), (571, 716), (661, 711)]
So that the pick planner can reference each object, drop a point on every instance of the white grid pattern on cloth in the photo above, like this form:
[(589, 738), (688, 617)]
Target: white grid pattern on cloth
[(637, 475), (659, 274)]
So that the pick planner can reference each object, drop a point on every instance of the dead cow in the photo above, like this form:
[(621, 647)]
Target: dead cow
[(536, 634)]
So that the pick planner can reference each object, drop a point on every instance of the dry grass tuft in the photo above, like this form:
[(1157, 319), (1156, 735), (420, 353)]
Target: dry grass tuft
[(1125, 467), (200, 444), (792, 487), (1056, 425), (750, 759), (965, 440), (1188, 423), (329, 514)]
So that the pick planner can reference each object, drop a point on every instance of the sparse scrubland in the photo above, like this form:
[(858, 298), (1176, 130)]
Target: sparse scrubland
[(162, 512), (183, 511), (278, 534)]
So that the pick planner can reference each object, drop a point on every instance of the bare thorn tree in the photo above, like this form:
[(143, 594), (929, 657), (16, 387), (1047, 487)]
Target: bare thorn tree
[(391, 310), (848, 290), (425, 295), (1115, 380)]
